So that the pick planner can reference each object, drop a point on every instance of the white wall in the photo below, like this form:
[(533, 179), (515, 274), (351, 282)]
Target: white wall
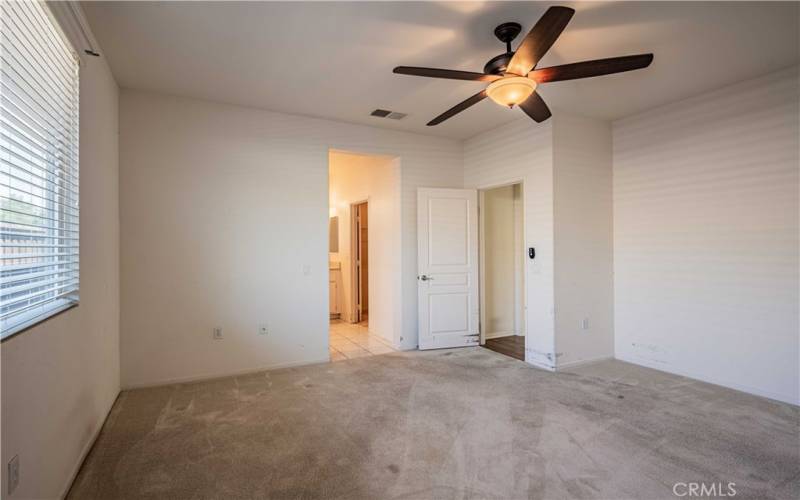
[(60, 377), (224, 215), (706, 237), (523, 151), (565, 166), (502, 247), (583, 239), (355, 178)]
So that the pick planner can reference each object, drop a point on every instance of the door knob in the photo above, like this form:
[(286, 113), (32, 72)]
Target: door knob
[(425, 278)]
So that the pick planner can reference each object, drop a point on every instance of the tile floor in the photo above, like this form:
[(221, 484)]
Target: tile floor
[(348, 341)]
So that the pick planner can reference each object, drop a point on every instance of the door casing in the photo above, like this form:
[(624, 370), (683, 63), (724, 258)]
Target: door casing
[(482, 254), (355, 306)]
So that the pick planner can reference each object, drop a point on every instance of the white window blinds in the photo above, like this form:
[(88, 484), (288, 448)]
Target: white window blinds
[(38, 167)]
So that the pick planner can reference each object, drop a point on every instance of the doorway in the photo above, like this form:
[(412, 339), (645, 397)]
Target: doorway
[(502, 277), (364, 294), (471, 268), (360, 262)]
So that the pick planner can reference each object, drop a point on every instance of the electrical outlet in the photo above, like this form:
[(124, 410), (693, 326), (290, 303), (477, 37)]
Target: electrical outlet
[(218, 333), (13, 474), (263, 329), (585, 323)]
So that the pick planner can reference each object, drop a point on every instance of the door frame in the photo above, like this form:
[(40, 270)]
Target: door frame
[(394, 291), (482, 256), (355, 312)]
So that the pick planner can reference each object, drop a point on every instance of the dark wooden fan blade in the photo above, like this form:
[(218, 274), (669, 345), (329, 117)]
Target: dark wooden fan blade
[(446, 73), (535, 107), (588, 69), (458, 108), (539, 40)]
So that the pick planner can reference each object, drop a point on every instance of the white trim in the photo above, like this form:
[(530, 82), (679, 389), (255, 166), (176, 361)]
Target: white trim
[(538, 364), (85, 451), (785, 398), (380, 338), (72, 21), (582, 362), (482, 267), (481, 289), (497, 335), (506, 183), (38, 315), (212, 376)]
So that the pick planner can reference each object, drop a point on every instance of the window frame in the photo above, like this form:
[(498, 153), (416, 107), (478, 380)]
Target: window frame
[(41, 120)]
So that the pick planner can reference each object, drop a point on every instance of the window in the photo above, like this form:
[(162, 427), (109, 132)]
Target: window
[(38, 168)]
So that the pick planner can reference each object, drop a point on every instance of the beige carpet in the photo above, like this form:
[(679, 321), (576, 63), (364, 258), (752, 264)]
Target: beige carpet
[(466, 423)]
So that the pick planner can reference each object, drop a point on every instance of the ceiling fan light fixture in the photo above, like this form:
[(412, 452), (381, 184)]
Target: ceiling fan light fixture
[(511, 90), (514, 75)]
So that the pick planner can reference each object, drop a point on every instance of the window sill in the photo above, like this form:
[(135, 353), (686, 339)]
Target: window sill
[(38, 320)]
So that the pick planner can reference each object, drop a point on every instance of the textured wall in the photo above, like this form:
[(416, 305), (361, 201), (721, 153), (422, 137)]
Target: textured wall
[(584, 255), (706, 236), (523, 151), (224, 215)]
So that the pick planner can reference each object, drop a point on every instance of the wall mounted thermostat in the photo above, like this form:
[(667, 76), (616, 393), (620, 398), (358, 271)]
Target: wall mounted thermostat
[(531, 252)]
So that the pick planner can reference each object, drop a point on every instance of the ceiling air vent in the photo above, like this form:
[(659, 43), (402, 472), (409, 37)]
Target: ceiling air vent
[(385, 113)]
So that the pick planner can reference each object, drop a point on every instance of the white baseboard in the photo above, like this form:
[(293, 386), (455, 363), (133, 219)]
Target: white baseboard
[(582, 362), (541, 365), (383, 340), (784, 398), (85, 451), (211, 376), (497, 335)]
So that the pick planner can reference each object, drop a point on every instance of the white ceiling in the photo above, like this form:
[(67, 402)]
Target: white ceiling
[(335, 59)]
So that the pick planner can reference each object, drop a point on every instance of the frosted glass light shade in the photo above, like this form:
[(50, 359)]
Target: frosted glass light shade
[(511, 90)]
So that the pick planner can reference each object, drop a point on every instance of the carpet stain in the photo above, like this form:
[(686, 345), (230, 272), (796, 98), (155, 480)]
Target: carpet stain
[(458, 424)]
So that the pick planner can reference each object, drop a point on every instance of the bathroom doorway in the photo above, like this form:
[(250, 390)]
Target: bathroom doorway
[(364, 257)]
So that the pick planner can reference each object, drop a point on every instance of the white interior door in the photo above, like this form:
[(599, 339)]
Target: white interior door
[(447, 261)]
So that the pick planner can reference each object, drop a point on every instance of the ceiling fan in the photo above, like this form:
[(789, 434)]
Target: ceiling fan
[(513, 75)]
